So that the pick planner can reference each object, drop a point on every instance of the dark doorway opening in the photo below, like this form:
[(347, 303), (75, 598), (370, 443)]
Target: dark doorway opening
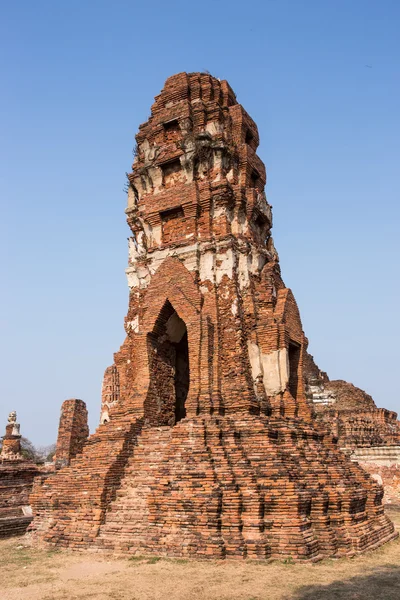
[(181, 377), (294, 358), (168, 352)]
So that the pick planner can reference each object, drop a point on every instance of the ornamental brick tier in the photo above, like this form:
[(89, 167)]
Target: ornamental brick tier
[(350, 413), (207, 446), (370, 435)]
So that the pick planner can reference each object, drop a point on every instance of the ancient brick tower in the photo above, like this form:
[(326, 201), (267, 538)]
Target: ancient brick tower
[(211, 448)]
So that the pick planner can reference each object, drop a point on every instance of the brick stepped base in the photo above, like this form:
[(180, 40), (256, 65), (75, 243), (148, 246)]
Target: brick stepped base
[(214, 487), (133, 494), (70, 505), (14, 526), (250, 487), (16, 481)]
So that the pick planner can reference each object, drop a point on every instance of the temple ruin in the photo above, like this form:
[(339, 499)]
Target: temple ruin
[(207, 445), (370, 435), (350, 413), (17, 474)]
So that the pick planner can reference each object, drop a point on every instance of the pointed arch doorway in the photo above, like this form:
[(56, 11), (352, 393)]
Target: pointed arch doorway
[(168, 356)]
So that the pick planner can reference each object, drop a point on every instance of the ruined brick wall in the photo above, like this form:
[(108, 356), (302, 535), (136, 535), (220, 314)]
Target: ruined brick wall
[(312, 372), (355, 418), (73, 431), (110, 392), (386, 475), (211, 449), (349, 413), (349, 397), (363, 427), (16, 480), (382, 462)]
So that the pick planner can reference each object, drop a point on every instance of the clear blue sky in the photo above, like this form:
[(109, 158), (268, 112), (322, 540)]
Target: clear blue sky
[(321, 79)]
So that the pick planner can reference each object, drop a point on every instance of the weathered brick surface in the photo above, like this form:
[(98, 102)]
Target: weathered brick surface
[(210, 448), (363, 427), (16, 480), (110, 393), (350, 413), (386, 475), (73, 431)]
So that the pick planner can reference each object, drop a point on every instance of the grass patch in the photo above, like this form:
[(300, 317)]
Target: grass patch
[(150, 560), (18, 557), (153, 560)]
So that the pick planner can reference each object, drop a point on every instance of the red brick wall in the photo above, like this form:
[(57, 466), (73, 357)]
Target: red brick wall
[(73, 431), (350, 413)]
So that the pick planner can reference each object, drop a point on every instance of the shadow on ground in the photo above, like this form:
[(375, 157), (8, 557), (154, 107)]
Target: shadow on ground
[(379, 584)]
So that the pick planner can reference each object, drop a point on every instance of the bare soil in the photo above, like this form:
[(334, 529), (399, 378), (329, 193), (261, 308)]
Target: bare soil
[(27, 573)]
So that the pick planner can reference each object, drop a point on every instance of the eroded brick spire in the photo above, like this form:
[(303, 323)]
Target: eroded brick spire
[(211, 449)]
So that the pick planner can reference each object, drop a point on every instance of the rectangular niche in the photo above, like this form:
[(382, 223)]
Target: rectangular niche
[(171, 213), (171, 172), (173, 224), (249, 137), (254, 179), (171, 130)]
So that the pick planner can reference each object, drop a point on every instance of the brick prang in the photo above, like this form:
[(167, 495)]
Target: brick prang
[(210, 448)]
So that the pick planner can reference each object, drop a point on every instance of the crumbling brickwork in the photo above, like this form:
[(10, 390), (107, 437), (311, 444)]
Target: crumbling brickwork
[(387, 475), (73, 431), (16, 480), (211, 448), (365, 428), (11, 446), (350, 413), (109, 392)]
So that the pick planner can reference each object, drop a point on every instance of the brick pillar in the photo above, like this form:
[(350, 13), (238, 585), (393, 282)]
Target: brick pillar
[(73, 431), (11, 449)]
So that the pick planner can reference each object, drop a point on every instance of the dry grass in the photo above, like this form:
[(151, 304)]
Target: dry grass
[(32, 574)]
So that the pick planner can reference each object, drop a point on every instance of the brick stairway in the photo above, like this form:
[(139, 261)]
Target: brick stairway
[(226, 487), (215, 487)]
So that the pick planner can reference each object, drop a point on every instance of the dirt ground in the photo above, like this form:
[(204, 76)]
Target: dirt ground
[(32, 574)]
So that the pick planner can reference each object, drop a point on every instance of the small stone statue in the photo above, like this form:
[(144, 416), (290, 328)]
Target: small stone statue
[(16, 429), (12, 417)]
